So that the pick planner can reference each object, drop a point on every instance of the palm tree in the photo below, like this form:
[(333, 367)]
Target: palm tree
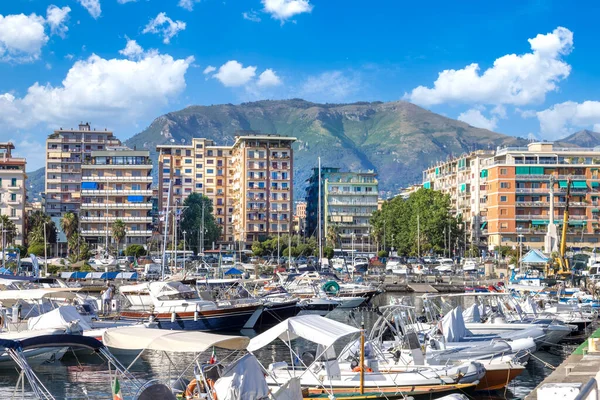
[(9, 228), (69, 224), (333, 236), (118, 232)]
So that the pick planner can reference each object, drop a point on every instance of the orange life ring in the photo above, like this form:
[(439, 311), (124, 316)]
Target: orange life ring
[(189, 390), (211, 387), (357, 369)]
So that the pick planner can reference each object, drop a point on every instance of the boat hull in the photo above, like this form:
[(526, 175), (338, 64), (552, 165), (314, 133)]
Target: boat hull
[(498, 376), (398, 392), (230, 319), (274, 313)]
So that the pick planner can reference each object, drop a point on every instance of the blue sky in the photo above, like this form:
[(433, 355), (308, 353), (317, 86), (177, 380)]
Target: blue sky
[(517, 67)]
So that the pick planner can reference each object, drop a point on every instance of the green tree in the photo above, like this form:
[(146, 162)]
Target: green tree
[(35, 228), (69, 224), (37, 249), (333, 236), (118, 232), (191, 222), (328, 252), (9, 228), (135, 250)]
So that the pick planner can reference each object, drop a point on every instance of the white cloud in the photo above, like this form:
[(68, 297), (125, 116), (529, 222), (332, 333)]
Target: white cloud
[(165, 26), (56, 18), (132, 50), (93, 7), (31, 149), (561, 119), (208, 70), (499, 111), (21, 37), (126, 1), (69, 56), (475, 118), (268, 78), (285, 9), (104, 90), (513, 79), (187, 4), (329, 86), (251, 16), (232, 73)]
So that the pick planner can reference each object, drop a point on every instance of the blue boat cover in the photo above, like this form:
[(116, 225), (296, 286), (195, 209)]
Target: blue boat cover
[(535, 257), (233, 271)]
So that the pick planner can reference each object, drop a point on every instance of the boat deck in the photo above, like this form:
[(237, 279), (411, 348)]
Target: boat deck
[(578, 368)]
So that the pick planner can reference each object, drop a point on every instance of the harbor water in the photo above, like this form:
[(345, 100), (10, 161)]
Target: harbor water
[(86, 376)]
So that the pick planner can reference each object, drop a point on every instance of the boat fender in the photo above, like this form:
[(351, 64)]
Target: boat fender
[(196, 315), (357, 369), (173, 315)]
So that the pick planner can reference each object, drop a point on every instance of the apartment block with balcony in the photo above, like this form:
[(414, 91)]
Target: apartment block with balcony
[(66, 150), (12, 190), (350, 198), (461, 179), (262, 190), (116, 183), (519, 180)]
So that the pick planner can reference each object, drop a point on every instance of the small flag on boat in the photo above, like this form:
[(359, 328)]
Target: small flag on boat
[(213, 357), (117, 390)]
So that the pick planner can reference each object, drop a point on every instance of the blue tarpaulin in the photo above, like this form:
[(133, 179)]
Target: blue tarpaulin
[(233, 271), (535, 257), (135, 199), (89, 185)]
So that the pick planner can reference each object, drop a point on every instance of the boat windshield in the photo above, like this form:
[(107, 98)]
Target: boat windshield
[(177, 291)]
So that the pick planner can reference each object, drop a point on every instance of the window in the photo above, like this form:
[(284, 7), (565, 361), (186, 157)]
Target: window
[(13, 182), (188, 160), (188, 153), (503, 211), (502, 171), (166, 170), (13, 212), (188, 171), (504, 185), (210, 171), (199, 185), (13, 197), (504, 225), (167, 161), (503, 199)]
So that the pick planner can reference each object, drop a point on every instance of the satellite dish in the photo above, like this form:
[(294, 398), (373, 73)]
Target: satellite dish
[(182, 140), (172, 140)]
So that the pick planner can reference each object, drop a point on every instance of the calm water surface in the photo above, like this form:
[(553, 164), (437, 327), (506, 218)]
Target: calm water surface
[(85, 376)]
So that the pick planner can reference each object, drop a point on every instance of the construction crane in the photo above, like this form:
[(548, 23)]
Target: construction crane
[(561, 261)]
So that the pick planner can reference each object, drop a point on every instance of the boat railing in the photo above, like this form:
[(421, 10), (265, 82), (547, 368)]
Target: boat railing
[(589, 391)]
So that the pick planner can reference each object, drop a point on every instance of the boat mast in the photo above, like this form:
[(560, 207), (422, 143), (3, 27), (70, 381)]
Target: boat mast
[(362, 358), (166, 213), (319, 216), (418, 237)]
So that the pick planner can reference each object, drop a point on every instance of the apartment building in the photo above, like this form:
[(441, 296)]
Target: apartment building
[(262, 186), (348, 200), (256, 167), (66, 150), (518, 200), (300, 217), (12, 190), (116, 183), (509, 194), (460, 178)]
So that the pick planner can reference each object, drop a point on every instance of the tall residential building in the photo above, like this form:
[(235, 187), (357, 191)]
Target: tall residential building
[(255, 167), (116, 184), (460, 178), (12, 190), (511, 191), (300, 217), (66, 149), (349, 200)]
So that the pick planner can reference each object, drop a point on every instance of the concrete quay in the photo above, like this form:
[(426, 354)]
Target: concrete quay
[(570, 377), (430, 284)]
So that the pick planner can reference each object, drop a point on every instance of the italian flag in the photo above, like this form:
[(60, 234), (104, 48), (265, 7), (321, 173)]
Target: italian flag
[(117, 390), (213, 357)]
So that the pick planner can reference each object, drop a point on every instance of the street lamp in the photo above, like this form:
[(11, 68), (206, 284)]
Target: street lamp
[(184, 255)]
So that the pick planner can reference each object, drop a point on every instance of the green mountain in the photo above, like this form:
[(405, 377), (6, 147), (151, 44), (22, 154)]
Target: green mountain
[(583, 138), (397, 139)]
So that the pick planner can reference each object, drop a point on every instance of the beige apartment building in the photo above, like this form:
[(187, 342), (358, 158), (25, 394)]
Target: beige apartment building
[(116, 184), (517, 192), (66, 150), (253, 174), (12, 190)]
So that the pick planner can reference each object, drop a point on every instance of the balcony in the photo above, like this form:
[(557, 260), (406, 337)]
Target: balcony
[(14, 188), (351, 203), (104, 206), (117, 178), (104, 233), (113, 219), (109, 192)]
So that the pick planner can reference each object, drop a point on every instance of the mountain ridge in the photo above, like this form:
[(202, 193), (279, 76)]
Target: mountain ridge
[(397, 139)]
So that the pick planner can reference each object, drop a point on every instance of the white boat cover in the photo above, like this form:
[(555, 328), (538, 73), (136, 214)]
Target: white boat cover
[(529, 307), (60, 318), (10, 297), (471, 314), (453, 326), (291, 390), (242, 380), (313, 328), (172, 341)]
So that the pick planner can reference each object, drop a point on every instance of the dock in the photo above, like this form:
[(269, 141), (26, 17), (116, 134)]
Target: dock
[(572, 375)]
